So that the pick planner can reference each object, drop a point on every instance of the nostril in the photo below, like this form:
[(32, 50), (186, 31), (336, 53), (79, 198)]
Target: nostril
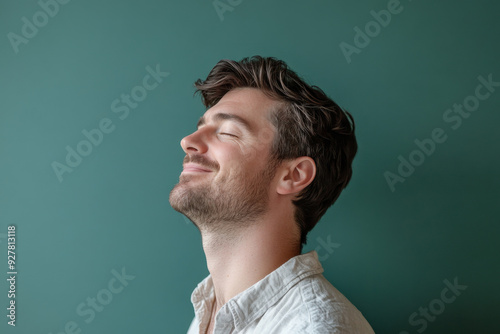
[(194, 142), (186, 144)]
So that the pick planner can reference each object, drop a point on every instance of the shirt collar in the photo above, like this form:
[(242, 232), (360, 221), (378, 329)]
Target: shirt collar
[(252, 303)]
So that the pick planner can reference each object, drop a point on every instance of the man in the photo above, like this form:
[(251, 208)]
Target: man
[(268, 158)]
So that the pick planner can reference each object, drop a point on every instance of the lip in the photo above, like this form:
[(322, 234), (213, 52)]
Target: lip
[(190, 167)]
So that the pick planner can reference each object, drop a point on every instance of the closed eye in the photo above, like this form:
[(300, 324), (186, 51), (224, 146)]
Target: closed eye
[(227, 134)]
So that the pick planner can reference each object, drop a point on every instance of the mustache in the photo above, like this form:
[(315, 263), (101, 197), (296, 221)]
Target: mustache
[(201, 160)]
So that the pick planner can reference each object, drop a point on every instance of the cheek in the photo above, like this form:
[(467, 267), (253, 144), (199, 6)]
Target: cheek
[(257, 156), (254, 151), (242, 160), (230, 163)]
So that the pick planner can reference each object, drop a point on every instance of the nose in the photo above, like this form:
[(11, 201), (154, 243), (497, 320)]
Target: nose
[(194, 143)]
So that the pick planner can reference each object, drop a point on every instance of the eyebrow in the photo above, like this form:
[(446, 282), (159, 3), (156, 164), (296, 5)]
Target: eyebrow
[(224, 116)]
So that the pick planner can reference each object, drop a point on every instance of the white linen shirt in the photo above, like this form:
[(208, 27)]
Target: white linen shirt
[(295, 298)]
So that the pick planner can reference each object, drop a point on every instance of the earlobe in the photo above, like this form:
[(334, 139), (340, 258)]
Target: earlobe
[(300, 172)]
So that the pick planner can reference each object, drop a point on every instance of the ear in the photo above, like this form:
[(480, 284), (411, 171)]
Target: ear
[(296, 175)]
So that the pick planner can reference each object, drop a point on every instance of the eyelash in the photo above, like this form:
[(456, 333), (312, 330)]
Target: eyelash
[(227, 134)]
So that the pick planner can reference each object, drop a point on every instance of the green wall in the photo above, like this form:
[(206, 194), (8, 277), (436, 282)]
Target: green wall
[(392, 243)]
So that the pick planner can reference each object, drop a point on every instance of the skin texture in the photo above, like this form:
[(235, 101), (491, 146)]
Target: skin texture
[(240, 200)]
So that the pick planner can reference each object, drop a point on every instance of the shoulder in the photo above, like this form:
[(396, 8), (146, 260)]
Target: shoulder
[(314, 305)]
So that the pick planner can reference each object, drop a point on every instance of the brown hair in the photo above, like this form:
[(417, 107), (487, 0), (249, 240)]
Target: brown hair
[(308, 123)]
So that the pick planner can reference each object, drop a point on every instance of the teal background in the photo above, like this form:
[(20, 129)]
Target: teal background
[(112, 211)]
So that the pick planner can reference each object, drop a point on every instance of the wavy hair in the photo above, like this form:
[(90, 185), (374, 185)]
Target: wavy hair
[(308, 123)]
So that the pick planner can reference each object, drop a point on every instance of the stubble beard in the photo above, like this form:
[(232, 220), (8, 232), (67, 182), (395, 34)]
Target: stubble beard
[(225, 206)]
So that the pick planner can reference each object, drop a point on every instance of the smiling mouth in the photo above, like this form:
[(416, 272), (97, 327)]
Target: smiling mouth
[(193, 168)]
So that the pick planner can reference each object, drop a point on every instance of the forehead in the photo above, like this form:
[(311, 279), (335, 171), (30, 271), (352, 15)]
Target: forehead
[(248, 106)]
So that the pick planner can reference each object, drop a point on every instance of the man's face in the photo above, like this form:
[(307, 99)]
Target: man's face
[(227, 173)]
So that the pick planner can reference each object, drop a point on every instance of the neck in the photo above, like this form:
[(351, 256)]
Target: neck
[(241, 259)]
